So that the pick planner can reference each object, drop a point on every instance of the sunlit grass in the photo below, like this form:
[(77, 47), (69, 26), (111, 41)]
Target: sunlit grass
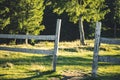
[(73, 60)]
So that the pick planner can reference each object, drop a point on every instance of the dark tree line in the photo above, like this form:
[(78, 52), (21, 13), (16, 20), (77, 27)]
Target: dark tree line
[(21, 16)]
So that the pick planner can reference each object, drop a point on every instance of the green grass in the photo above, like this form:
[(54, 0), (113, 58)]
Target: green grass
[(74, 62)]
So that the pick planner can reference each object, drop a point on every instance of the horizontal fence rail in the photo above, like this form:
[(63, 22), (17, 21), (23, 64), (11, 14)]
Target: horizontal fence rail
[(109, 59), (39, 37), (26, 50), (96, 57), (53, 52), (110, 41)]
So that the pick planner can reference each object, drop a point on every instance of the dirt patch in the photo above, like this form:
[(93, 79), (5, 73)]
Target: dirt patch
[(74, 75), (53, 78)]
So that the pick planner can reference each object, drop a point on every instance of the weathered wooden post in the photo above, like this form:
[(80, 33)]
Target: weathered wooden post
[(96, 49), (57, 36), (40, 37)]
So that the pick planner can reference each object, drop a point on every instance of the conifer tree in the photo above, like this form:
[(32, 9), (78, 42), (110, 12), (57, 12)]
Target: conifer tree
[(30, 16), (4, 15), (116, 15), (81, 10), (22, 16)]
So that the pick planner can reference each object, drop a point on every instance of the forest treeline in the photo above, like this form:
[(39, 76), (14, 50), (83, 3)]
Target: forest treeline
[(39, 17)]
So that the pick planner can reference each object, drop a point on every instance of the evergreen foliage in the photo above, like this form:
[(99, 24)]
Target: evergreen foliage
[(117, 11), (90, 10), (81, 10), (30, 16), (26, 16), (22, 16), (4, 14)]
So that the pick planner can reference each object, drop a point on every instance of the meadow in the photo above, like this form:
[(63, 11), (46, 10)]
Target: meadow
[(74, 62)]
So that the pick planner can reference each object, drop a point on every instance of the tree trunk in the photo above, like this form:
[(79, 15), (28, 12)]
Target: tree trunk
[(26, 40), (114, 30), (15, 41), (81, 30)]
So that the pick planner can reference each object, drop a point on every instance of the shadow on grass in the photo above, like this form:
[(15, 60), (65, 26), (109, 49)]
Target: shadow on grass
[(46, 60), (116, 56), (79, 49), (64, 60), (27, 50), (36, 76), (77, 61), (2, 74), (117, 48), (109, 76)]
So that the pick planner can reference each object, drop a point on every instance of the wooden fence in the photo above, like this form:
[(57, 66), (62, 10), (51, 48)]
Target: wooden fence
[(54, 38), (98, 41)]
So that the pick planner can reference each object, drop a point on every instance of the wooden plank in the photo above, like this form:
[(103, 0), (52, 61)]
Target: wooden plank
[(109, 59), (96, 49), (58, 26), (25, 50), (39, 37), (110, 41)]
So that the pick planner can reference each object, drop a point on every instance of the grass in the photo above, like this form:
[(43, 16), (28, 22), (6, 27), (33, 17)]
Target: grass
[(74, 62)]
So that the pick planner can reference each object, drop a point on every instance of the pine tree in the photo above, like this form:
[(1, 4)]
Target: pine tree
[(22, 16), (117, 11), (30, 16), (116, 15), (4, 15), (81, 10)]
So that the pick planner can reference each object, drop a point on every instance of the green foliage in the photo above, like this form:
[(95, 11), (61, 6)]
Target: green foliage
[(22, 16), (81, 10), (30, 16), (4, 17), (117, 11), (89, 10)]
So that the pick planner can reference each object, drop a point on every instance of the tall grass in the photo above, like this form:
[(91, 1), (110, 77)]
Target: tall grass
[(74, 62)]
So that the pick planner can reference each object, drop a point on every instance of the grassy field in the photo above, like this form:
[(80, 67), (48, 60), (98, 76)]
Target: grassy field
[(74, 62)]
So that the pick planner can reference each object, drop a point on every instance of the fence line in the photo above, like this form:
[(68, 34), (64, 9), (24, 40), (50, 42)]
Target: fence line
[(96, 49), (96, 56), (110, 41), (40, 37), (57, 37), (26, 50), (53, 52), (109, 59)]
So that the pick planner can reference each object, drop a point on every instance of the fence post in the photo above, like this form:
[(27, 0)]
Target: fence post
[(57, 36), (96, 49)]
